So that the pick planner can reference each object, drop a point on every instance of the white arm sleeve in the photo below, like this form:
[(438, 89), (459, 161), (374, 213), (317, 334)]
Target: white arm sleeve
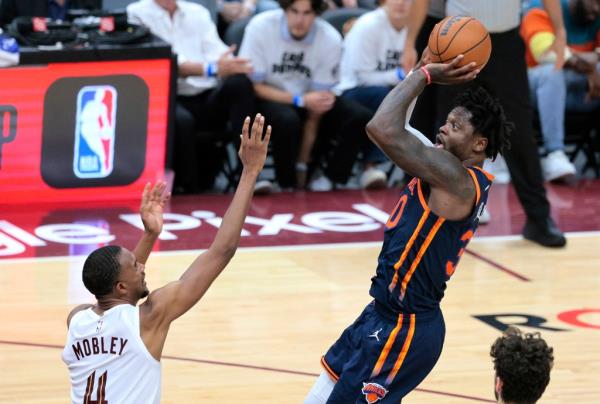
[(412, 130)]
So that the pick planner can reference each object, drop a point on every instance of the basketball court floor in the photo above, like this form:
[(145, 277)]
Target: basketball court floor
[(301, 276)]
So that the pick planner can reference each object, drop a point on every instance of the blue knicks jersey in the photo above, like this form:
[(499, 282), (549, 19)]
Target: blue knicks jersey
[(421, 250)]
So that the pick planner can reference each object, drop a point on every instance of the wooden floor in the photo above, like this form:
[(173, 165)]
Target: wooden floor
[(258, 334)]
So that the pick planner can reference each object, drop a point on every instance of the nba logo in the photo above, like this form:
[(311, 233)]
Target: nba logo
[(101, 139), (95, 132)]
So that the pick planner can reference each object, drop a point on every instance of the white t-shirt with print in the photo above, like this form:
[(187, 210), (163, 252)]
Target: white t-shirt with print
[(295, 66), (372, 51)]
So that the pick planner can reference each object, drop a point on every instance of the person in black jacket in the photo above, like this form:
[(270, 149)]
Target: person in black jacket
[(55, 9)]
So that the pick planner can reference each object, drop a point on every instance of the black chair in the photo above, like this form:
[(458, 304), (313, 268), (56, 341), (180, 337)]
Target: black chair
[(582, 130), (368, 4), (340, 16), (582, 135), (235, 33)]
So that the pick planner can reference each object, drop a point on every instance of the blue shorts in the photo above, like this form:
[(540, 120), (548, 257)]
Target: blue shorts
[(383, 356)]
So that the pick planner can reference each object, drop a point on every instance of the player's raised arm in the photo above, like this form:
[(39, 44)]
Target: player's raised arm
[(176, 298), (151, 212), (437, 167)]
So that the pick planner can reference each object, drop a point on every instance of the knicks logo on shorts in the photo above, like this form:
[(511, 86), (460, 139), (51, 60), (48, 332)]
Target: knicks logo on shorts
[(373, 392)]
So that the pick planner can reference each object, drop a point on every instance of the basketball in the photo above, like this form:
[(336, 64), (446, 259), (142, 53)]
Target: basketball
[(460, 35)]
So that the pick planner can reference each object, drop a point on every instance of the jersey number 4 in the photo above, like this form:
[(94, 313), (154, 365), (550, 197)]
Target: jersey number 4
[(100, 394)]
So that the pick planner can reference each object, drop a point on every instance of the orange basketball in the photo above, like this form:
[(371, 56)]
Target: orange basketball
[(455, 35)]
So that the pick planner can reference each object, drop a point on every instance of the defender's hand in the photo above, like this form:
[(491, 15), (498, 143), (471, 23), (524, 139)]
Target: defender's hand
[(253, 147), (151, 207)]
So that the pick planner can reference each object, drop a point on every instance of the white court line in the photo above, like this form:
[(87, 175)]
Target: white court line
[(320, 246)]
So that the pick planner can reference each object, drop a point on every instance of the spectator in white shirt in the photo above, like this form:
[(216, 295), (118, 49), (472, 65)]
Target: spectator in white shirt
[(296, 58), (370, 68), (214, 95)]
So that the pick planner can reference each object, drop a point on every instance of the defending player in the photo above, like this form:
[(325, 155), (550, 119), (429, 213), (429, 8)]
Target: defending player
[(522, 365), (114, 347), (398, 338)]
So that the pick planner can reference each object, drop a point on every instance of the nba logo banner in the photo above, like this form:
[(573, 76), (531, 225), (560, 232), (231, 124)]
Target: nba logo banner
[(95, 132)]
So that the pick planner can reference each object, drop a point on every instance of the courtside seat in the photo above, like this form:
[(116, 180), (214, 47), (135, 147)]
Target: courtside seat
[(582, 135), (340, 16)]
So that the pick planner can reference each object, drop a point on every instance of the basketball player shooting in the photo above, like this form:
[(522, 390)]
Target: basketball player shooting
[(114, 347), (398, 338)]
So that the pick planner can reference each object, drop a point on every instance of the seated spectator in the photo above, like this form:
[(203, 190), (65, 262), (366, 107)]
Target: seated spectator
[(296, 56), (212, 89), (54, 9), (574, 88), (370, 68), (522, 364)]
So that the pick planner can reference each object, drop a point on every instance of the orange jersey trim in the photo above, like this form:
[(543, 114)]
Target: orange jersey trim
[(331, 373), (387, 347), (421, 196), (477, 191), (420, 254), (487, 175), (403, 352), (407, 248)]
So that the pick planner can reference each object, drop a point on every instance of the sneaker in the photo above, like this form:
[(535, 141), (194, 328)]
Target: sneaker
[(556, 166), (320, 184), (373, 178), (485, 216), (263, 187), (546, 233), (498, 169)]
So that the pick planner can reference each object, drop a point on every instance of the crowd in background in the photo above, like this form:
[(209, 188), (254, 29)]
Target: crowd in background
[(318, 70), (319, 86)]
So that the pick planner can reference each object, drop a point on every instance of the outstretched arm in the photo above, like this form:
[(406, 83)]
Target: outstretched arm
[(151, 212), (176, 298), (438, 168)]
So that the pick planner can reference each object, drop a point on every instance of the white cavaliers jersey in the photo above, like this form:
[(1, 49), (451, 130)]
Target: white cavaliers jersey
[(107, 359)]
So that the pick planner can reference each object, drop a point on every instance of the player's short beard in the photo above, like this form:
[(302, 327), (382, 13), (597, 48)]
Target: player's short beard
[(145, 293)]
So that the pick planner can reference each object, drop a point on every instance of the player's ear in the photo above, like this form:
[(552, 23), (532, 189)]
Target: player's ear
[(120, 288), (479, 143)]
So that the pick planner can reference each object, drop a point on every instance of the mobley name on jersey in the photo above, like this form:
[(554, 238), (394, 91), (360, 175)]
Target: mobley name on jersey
[(99, 346)]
